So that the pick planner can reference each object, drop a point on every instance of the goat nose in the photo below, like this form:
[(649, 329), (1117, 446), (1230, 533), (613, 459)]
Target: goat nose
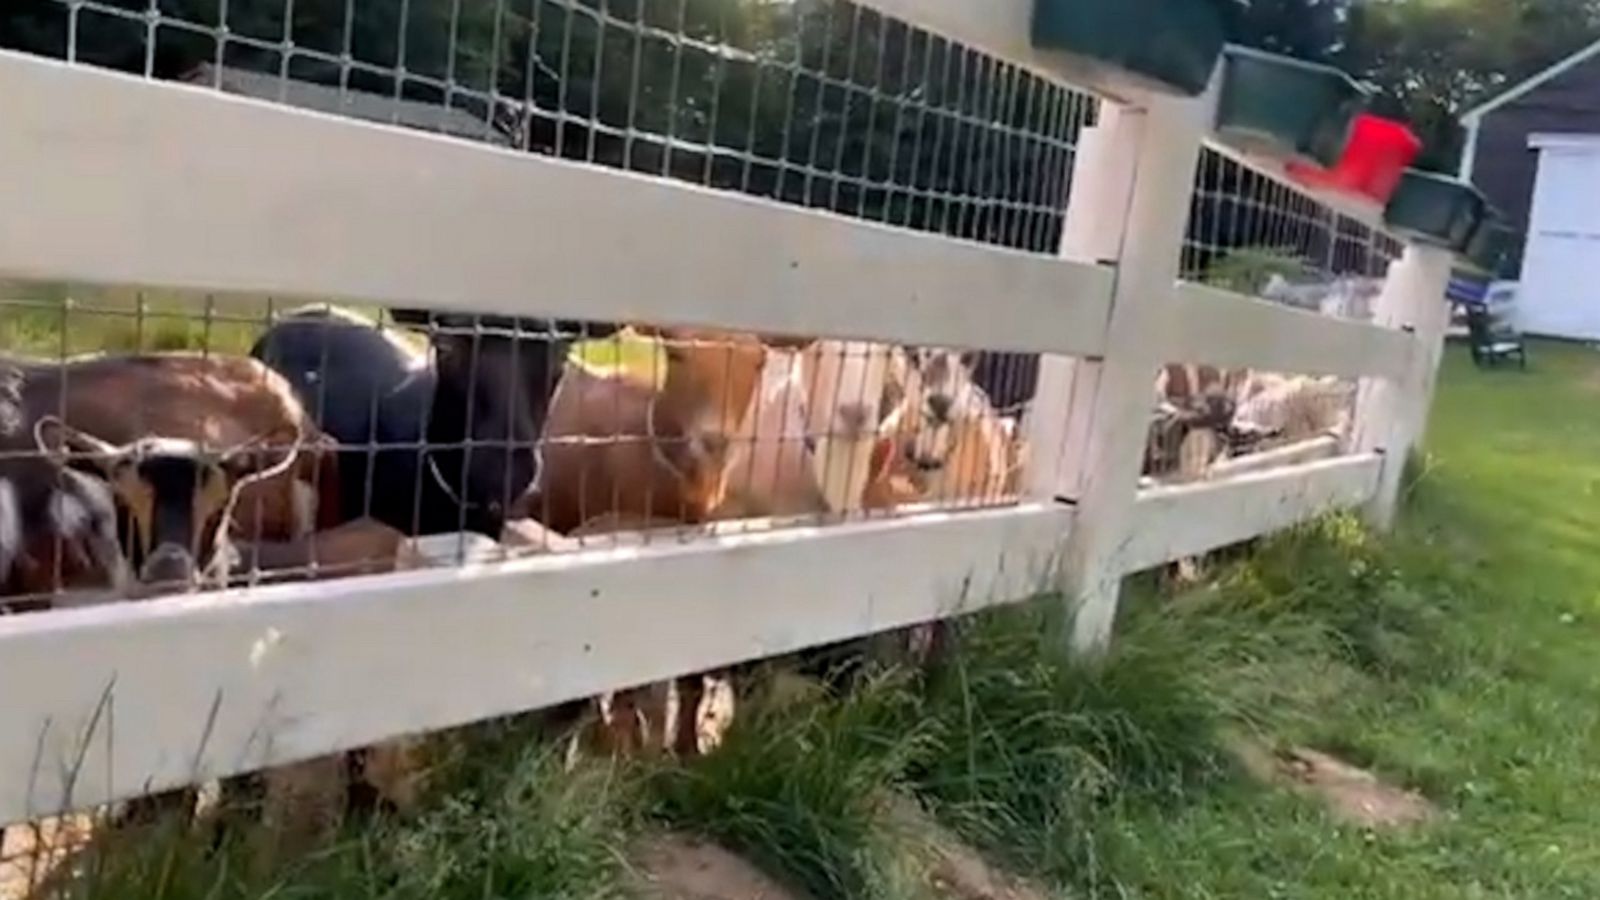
[(170, 565), (940, 405)]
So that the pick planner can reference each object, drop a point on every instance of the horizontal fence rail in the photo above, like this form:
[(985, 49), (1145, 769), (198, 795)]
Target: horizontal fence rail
[(294, 671), (1223, 328), (279, 201), (1187, 520)]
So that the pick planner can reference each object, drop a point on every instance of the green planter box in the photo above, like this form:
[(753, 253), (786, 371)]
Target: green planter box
[(1287, 107), (1436, 209), (1169, 45), (1490, 245)]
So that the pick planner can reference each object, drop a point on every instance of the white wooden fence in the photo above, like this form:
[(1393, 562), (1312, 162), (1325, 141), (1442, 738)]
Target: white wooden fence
[(103, 703)]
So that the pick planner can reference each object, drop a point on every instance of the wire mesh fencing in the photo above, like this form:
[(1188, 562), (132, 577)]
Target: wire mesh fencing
[(350, 439), (1256, 234), (822, 104)]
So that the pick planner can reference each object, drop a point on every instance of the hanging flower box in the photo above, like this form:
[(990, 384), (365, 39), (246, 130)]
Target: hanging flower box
[(1373, 163), (1436, 209), (1286, 107), (1167, 45)]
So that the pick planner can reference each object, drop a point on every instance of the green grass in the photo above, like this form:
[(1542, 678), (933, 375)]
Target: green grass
[(1472, 674), (1455, 656), (509, 819), (44, 320), (626, 355), (50, 321)]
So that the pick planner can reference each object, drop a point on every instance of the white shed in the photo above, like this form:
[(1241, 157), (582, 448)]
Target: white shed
[(1560, 291)]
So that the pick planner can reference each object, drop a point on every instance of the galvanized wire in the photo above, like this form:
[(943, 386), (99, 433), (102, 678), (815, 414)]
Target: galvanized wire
[(1252, 231), (826, 105), (822, 104), (1259, 234)]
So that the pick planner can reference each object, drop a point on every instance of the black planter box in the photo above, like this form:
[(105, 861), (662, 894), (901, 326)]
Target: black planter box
[(1286, 107), (1168, 45), (1436, 209)]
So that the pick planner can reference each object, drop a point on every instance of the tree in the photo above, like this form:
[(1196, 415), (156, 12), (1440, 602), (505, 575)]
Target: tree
[(1307, 29), (1432, 59)]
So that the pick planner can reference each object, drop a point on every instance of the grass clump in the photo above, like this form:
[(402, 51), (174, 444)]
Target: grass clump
[(508, 819), (802, 784), (1033, 746)]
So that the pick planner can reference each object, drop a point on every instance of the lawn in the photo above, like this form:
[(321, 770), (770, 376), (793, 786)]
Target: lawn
[(1454, 658), (1496, 719), (46, 320)]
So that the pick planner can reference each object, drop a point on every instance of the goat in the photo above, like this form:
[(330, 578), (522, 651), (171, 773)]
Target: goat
[(1280, 410), (613, 445), (846, 384), (946, 442), (178, 498), (728, 434), (58, 538), (620, 454), (215, 403), (479, 404)]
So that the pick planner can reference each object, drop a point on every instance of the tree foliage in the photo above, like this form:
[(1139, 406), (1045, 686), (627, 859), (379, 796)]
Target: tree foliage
[(1429, 60), (803, 81), (1433, 59), (1308, 29)]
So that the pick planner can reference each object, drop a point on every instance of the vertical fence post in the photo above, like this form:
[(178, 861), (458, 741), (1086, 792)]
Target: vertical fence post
[(1392, 414), (1097, 208), (1149, 154)]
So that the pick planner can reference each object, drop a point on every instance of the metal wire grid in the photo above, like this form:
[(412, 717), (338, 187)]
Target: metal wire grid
[(1208, 422), (826, 105), (1257, 234), (822, 104), (576, 434)]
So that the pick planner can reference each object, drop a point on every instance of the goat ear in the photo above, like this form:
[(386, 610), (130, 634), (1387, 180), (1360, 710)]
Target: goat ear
[(69, 448), (261, 456)]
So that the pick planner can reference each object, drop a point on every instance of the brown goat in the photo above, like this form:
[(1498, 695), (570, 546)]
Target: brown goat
[(162, 457), (217, 402), (616, 446)]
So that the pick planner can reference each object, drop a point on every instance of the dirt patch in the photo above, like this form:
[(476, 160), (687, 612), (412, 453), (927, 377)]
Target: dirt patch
[(1352, 794), (955, 871), (1591, 381), (677, 867), (959, 873)]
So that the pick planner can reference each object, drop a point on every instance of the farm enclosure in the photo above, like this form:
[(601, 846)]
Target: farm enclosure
[(947, 274)]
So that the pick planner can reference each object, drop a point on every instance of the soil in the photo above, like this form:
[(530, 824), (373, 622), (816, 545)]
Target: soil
[(676, 867), (954, 871), (1351, 794)]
